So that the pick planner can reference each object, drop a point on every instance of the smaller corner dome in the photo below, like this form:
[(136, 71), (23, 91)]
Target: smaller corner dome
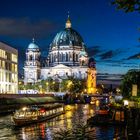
[(33, 45), (83, 53)]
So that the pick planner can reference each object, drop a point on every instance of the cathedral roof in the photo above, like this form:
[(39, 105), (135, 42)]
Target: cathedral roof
[(67, 36), (33, 45)]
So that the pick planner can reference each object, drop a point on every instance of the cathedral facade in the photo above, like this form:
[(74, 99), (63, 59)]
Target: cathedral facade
[(67, 57)]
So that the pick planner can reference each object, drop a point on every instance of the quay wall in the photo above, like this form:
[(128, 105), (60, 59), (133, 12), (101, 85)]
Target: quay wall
[(10, 102), (24, 95)]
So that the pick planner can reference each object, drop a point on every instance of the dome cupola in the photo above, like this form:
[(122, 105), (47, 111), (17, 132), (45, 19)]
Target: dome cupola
[(33, 45), (67, 37), (83, 53), (66, 47), (68, 22)]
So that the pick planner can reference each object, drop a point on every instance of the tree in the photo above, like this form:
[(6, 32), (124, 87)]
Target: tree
[(130, 78), (76, 85), (127, 5)]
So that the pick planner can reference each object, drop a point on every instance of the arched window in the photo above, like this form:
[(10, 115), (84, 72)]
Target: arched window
[(76, 57), (30, 57), (73, 56), (59, 57), (55, 57), (63, 57), (66, 56)]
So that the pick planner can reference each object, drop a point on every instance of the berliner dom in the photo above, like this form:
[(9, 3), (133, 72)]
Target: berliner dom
[(67, 56)]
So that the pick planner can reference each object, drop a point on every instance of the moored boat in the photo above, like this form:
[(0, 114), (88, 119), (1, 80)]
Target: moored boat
[(105, 116), (34, 114)]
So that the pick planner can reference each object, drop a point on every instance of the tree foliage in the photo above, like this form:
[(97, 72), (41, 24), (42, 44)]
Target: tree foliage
[(127, 5), (76, 86), (130, 78), (71, 85)]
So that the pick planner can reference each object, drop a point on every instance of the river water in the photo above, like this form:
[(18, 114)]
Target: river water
[(75, 114)]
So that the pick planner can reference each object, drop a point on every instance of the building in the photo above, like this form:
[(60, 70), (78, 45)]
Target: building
[(91, 77), (8, 69), (67, 56)]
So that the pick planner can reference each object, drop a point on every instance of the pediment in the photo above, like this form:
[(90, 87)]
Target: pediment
[(61, 66)]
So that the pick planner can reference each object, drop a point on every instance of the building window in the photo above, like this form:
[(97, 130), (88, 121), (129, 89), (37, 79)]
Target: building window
[(14, 58), (66, 56), (3, 64), (30, 57)]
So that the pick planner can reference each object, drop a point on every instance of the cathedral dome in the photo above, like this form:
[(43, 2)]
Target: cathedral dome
[(66, 48), (33, 45), (67, 37)]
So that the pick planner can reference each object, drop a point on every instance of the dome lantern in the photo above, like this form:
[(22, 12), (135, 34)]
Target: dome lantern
[(68, 22)]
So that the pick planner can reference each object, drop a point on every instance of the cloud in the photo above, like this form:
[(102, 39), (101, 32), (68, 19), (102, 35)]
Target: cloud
[(106, 55), (110, 54), (136, 56), (94, 50), (24, 27)]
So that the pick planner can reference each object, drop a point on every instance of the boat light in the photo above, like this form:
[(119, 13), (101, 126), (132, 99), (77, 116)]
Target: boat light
[(24, 108), (21, 115), (42, 110)]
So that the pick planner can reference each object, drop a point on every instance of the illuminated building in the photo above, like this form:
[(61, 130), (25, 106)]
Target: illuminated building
[(67, 57), (32, 64), (8, 69), (91, 77)]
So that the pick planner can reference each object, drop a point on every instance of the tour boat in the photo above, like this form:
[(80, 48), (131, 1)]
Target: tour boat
[(34, 114), (104, 116)]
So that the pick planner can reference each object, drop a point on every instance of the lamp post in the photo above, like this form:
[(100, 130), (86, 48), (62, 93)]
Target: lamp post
[(69, 85), (53, 84), (85, 90), (60, 81), (40, 86), (47, 84)]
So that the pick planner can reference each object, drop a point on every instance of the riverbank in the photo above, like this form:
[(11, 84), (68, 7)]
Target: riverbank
[(8, 105)]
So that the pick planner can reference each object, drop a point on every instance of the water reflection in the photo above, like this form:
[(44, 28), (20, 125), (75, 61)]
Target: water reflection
[(45, 130)]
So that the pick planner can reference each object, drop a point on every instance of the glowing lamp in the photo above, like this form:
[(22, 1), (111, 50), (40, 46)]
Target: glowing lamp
[(42, 110), (24, 108), (126, 102)]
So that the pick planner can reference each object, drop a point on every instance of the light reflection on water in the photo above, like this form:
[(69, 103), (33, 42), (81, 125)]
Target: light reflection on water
[(45, 130)]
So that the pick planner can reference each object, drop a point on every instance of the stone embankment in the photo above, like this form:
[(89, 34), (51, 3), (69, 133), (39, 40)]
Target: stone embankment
[(11, 102)]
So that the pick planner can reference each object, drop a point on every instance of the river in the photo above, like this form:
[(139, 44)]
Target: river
[(75, 114)]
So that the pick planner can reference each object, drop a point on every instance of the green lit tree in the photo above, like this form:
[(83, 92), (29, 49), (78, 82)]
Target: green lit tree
[(75, 85), (127, 5), (130, 78)]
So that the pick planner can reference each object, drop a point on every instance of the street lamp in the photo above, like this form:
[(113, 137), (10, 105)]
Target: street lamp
[(40, 86), (69, 85), (85, 91), (126, 102), (53, 84), (60, 81), (47, 84)]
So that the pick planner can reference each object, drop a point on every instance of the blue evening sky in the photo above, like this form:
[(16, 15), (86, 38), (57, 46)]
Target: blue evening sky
[(111, 35)]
